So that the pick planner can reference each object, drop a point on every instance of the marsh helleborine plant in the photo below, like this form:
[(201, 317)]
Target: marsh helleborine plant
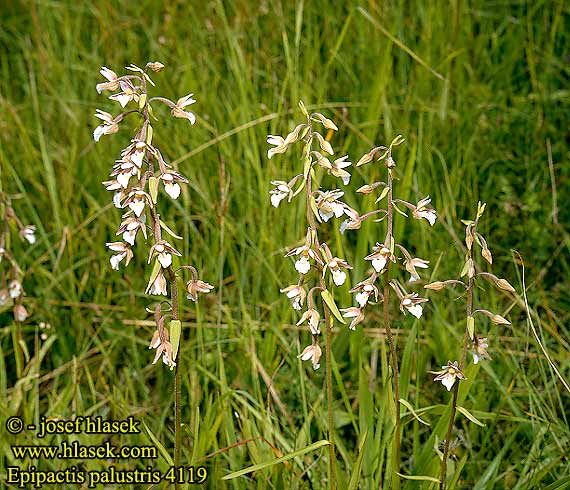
[(472, 340), (11, 289), (136, 179), (383, 255), (314, 261)]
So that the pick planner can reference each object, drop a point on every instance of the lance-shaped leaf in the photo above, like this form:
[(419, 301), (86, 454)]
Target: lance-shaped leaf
[(329, 300)]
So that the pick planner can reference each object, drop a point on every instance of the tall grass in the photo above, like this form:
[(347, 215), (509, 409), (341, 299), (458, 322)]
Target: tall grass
[(480, 91)]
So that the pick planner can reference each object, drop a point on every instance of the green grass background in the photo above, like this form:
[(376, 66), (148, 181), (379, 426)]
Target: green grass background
[(480, 90)]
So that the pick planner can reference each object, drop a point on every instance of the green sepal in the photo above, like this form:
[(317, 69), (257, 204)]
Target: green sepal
[(175, 329), (153, 188)]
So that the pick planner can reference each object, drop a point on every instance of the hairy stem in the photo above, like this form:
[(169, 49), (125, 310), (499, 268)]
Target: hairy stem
[(177, 373), (391, 341), (171, 280), (328, 347), (469, 311), (330, 399)]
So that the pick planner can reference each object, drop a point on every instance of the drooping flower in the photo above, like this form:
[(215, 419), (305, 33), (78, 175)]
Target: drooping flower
[(338, 167), (281, 144), (163, 251), (112, 84), (313, 353), (28, 233), (412, 304), (135, 152), (158, 286), (422, 211), (136, 201), (161, 342), (15, 289), (479, 349), (296, 295), (449, 375), (306, 252), (280, 192), (129, 92), (109, 125), (123, 252), (312, 317), (171, 181), (380, 257), (178, 109), (195, 286), (411, 265), (329, 205), (130, 227), (364, 290), (355, 313), (335, 265)]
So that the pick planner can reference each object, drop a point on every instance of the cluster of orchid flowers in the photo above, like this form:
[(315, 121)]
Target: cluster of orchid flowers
[(477, 344), (11, 288), (382, 254), (321, 206), (135, 181)]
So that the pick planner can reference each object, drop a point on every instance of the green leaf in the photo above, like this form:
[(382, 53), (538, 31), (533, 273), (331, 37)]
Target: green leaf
[(175, 328), (418, 477), (355, 475), (559, 485), (168, 230), (153, 274), (329, 300), (153, 188), (149, 134), (481, 208), (307, 167), (383, 194), (470, 416), (413, 412), (399, 210), (471, 326), (303, 109), (282, 459), (160, 447), (465, 268), (314, 208)]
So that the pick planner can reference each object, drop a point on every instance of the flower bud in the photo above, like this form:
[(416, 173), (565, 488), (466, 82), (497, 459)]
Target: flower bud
[(435, 286), (20, 313), (155, 66), (505, 285), (499, 320)]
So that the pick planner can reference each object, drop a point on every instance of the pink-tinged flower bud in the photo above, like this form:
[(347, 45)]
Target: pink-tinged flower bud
[(505, 285), (435, 286), (499, 320), (155, 66), (196, 286), (20, 313)]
